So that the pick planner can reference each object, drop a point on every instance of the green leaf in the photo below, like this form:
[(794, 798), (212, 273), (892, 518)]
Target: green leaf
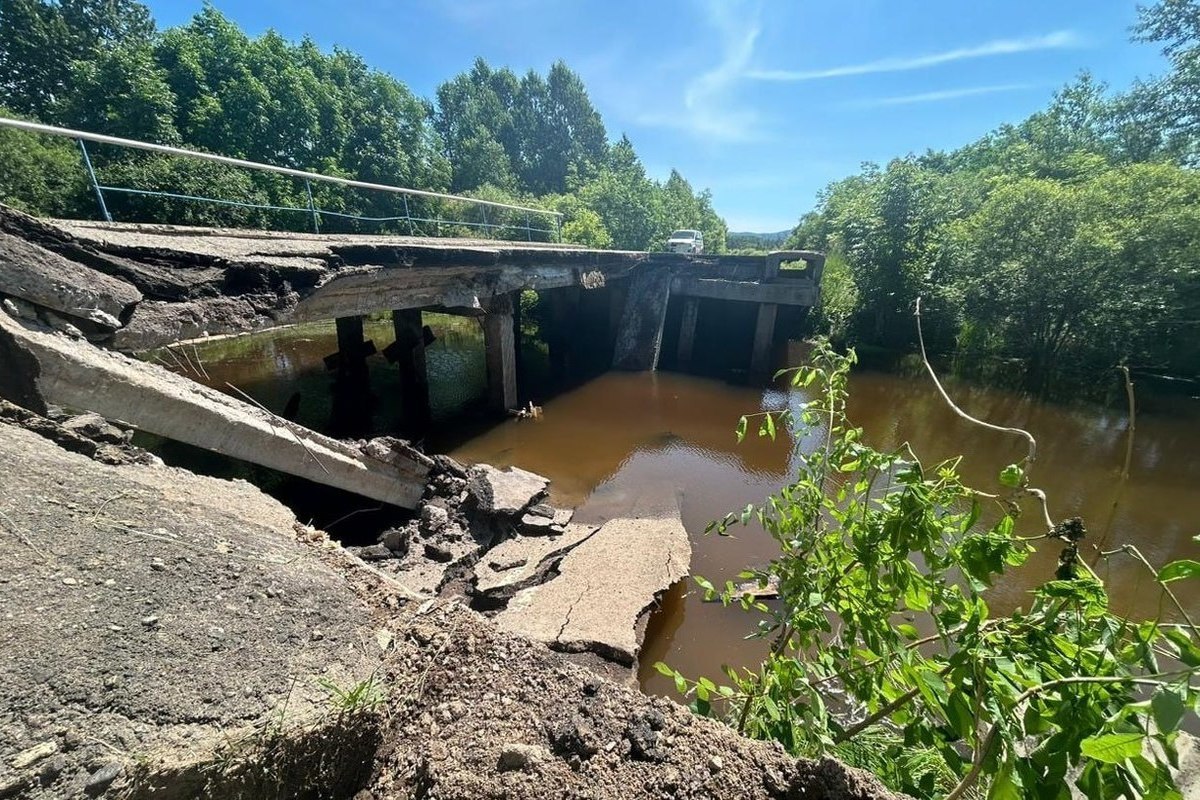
[(1012, 476), (663, 669), (1178, 570), (1168, 708), (769, 425), (1112, 748)]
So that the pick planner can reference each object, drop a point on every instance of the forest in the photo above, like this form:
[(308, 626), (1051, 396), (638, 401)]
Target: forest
[(103, 66), (1051, 250), (1046, 253)]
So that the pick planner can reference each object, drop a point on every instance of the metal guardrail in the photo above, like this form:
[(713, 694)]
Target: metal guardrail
[(312, 210)]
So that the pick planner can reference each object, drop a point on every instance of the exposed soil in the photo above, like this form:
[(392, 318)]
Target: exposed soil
[(166, 634)]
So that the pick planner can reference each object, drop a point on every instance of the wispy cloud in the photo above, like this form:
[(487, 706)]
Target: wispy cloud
[(1059, 40), (936, 97), (707, 110)]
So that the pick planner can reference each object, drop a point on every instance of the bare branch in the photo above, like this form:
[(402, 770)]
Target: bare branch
[(1001, 428)]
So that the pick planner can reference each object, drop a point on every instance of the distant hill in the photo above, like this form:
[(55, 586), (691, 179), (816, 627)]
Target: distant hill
[(747, 240)]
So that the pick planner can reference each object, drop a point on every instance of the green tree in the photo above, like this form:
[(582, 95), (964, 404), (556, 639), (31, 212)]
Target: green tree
[(42, 175)]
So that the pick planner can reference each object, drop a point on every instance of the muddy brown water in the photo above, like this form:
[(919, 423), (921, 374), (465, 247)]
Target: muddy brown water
[(621, 443)]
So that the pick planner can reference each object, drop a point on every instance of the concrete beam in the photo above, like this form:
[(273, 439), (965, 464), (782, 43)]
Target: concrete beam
[(366, 290), (764, 338), (687, 330), (801, 292), (80, 376), (500, 353)]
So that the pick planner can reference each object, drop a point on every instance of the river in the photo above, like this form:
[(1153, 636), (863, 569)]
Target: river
[(618, 440)]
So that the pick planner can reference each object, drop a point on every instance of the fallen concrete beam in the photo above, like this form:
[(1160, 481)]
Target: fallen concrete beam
[(781, 292), (152, 399)]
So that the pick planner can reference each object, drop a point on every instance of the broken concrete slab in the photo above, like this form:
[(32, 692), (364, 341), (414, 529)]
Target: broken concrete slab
[(514, 561), (96, 427), (535, 525), (147, 397), (505, 491), (49, 280), (603, 587)]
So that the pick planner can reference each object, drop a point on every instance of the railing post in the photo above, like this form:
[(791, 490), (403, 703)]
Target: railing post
[(487, 229), (558, 228), (408, 216), (87, 162), (528, 228), (312, 209)]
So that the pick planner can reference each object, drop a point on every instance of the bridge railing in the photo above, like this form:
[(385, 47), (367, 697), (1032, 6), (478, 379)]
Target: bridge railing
[(415, 212)]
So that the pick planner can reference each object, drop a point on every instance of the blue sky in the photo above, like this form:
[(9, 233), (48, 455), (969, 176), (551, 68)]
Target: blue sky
[(764, 102)]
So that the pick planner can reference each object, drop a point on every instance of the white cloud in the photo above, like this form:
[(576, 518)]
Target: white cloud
[(936, 97), (706, 109), (1059, 40)]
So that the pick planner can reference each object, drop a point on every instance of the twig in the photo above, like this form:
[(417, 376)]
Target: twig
[(1124, 481), (186, 358), (1132, 421), (200, 362), (1137, 554), (1001, 428), (1026, 435), (21, 537)]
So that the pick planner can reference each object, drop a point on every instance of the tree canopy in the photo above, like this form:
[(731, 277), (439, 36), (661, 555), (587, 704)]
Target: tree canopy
[(1069, 242), (103, 66)]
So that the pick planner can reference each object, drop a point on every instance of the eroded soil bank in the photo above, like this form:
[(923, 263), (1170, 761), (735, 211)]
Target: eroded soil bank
[(173, 635)]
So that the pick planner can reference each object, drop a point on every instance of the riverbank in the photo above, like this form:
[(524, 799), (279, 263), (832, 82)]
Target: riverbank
[(175, 634)]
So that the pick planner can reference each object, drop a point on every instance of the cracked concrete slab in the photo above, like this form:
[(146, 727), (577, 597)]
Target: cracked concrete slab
[(515, 561), (602, 588)]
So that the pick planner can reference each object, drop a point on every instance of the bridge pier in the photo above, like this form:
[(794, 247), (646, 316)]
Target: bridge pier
[(562, 317), (500, 352), (407, 352), (353, 348), (687, 331), (764, 339)]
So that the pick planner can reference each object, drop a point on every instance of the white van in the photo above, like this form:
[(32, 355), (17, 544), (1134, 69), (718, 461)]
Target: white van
[(686, 242)]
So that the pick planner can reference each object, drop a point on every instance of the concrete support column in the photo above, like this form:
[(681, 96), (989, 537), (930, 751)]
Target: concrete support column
[(687, 330), (408, 354), (764, 338), (351, 356), (499, 343), (352, 403), (563, 317)]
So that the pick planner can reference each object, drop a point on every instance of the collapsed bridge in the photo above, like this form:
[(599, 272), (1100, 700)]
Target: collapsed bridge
[(131, 287)]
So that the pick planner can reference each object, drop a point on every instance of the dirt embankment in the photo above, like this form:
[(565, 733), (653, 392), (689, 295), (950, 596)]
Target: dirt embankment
[(172, 635)]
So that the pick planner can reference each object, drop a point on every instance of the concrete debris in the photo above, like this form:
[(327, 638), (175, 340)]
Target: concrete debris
[(515, 562), (509, 491), (97, 428), (603, 587)]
